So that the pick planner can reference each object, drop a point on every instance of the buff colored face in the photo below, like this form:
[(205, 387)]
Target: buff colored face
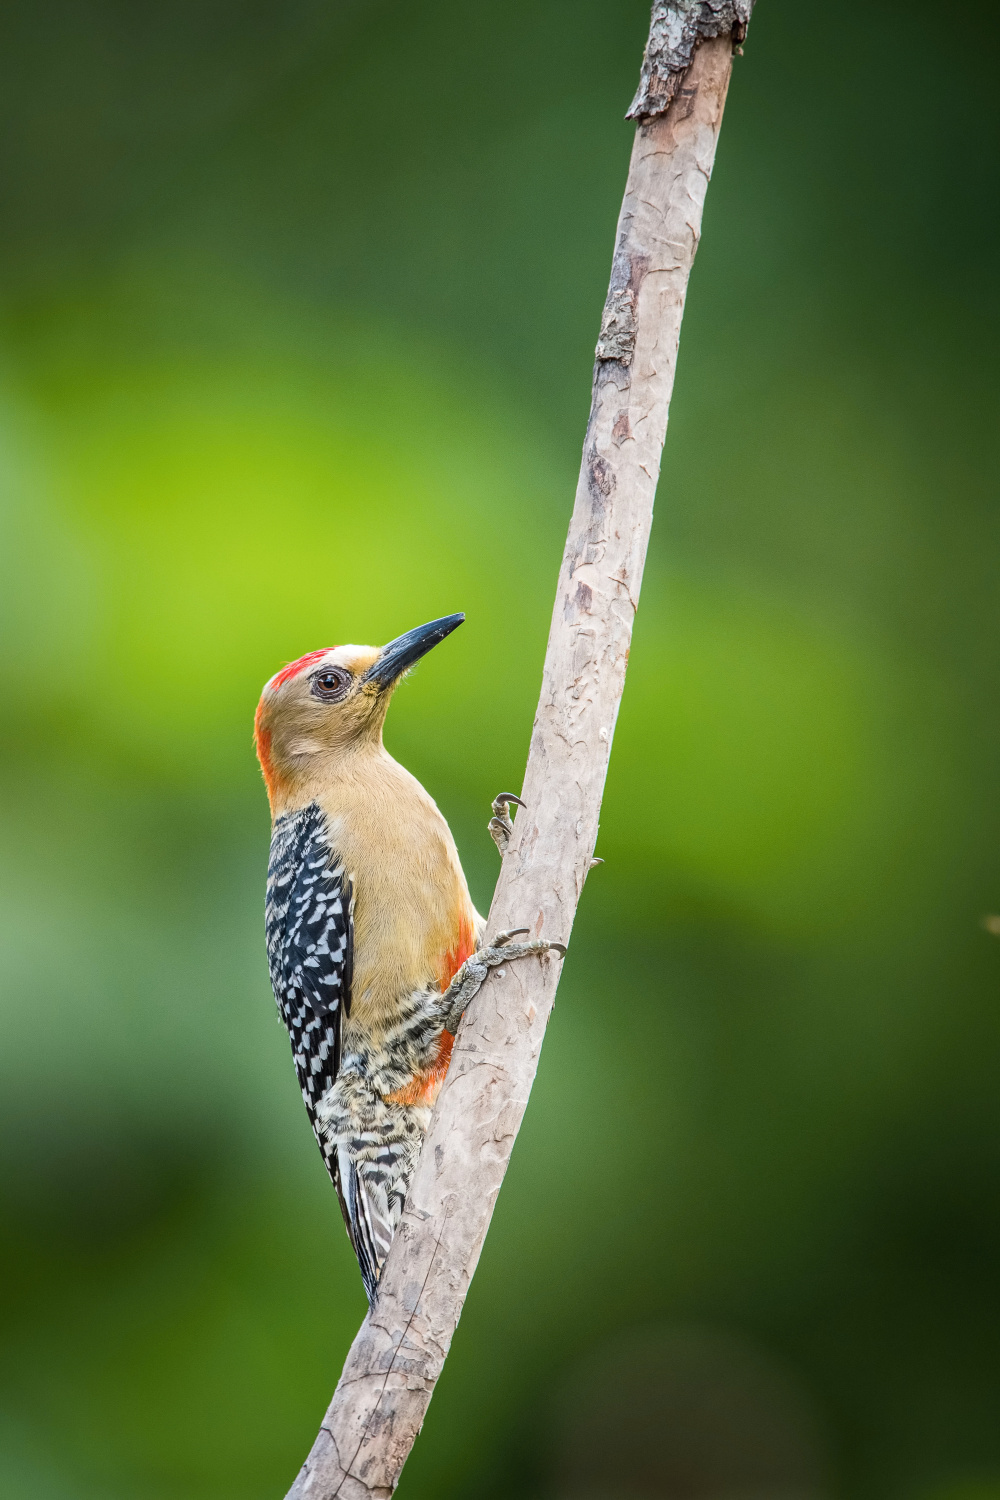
[(332, 700), (321, 702)]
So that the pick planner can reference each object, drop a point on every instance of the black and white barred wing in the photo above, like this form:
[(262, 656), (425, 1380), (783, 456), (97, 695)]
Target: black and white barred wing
[(310, 943), (369, 1147)]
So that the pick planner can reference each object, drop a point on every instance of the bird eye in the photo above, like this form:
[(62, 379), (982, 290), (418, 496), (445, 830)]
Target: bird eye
[(330, 684)]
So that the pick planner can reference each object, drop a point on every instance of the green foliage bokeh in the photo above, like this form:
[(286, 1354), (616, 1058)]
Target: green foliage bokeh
[(298, 312)]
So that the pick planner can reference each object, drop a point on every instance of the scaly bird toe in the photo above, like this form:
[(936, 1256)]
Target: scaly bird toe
[(500, 826), (468, 981)]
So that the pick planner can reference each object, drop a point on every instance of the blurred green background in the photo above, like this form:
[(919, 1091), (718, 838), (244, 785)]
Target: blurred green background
[(298, 308)]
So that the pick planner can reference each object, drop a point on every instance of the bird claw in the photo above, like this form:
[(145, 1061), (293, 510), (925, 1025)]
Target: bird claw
[(540, 946), (505, 937), (506, 799), (468, 981), (500, 826)]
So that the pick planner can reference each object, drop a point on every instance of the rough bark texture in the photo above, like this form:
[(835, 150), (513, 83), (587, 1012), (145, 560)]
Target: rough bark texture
[(677, 29), (392, 1367)]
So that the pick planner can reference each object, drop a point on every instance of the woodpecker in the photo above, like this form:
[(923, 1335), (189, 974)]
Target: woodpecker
[(373, 943)]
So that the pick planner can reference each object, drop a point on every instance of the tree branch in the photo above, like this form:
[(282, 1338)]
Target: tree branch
[(394, 1362)]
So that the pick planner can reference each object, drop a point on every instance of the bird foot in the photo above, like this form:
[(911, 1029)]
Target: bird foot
[(468, 981), (500, 826)]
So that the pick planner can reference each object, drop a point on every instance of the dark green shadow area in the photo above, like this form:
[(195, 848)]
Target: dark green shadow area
[(298, 311)]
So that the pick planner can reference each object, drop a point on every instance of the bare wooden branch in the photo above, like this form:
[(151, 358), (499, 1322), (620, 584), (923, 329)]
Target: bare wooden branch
[(395, 1360)]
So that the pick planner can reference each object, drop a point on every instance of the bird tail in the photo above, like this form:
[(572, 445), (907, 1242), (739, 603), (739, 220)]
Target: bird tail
[(371, 1203)]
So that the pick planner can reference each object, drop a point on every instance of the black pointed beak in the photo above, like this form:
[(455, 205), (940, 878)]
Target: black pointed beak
[(401, 653)]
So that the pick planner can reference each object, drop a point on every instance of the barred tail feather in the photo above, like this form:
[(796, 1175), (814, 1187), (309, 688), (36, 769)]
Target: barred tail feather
[(368, 1216)]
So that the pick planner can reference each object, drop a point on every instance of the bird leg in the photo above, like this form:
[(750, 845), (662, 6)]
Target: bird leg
[(467, 982), (500, 825)]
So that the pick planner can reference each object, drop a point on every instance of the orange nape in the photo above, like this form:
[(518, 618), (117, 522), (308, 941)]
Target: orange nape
[(262, 741)]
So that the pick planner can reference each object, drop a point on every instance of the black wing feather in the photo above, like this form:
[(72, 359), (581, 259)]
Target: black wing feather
[(310, 949)]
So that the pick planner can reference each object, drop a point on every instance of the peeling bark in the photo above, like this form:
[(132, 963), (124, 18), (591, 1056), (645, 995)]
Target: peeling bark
[(678, 27), (394, 1362)]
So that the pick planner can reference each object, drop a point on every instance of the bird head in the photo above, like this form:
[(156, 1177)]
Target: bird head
[(332, 701)]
